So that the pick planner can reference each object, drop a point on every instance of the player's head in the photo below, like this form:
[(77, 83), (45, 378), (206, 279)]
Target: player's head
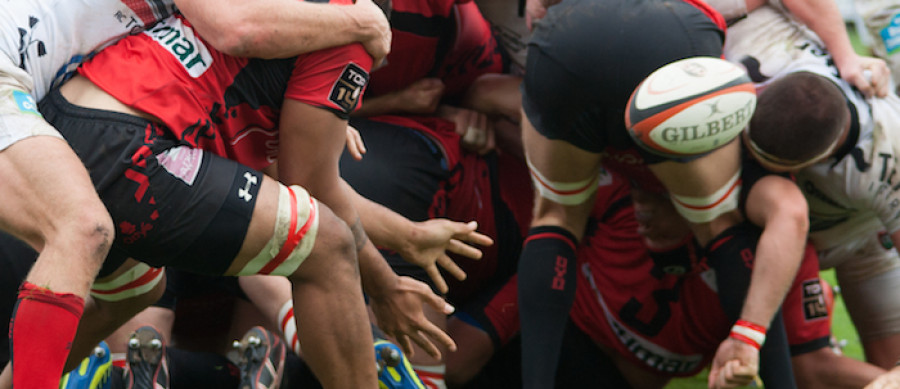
[(799, 121)]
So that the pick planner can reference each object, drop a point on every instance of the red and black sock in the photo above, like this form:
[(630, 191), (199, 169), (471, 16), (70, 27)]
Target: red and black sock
[(546, 293)]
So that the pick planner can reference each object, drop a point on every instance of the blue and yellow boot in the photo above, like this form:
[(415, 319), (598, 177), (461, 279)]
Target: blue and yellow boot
[(394, 370), (93, 372)]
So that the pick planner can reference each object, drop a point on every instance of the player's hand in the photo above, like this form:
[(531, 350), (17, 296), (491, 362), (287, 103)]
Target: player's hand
[(398, 312), (355, 145), (889, 380), (870, 75), (475, 129), (536, 10), (421, 97), (374, 29), (736, 364), (431, 241)]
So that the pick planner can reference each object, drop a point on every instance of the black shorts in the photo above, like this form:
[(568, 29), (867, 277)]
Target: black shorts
[(587, 56), (171, 205)]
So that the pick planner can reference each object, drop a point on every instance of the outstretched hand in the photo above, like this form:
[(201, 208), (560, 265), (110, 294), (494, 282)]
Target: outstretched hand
[(399, 313), (736, 364), (431, 241)]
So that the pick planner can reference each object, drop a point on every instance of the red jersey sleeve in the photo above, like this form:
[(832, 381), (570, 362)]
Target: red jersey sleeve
[(333, 79)]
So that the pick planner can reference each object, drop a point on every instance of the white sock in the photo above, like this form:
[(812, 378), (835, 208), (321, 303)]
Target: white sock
[(432, 376), (289, 326)]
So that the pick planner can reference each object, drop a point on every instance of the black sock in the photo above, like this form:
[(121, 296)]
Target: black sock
[(546, 292)]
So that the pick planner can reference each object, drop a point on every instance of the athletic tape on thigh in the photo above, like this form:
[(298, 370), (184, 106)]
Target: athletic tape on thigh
[(296, 226), (705, 209), (134, 282), (565, 193)]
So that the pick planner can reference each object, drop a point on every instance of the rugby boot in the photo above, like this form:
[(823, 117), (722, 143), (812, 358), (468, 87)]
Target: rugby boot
[(93, 372), (262, 356), (394, 370), (147, 367)]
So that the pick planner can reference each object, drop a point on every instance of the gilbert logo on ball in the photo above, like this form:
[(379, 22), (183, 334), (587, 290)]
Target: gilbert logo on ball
[(690, 107)]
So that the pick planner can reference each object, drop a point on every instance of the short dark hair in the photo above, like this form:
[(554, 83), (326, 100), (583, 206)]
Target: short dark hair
[(798, 117)]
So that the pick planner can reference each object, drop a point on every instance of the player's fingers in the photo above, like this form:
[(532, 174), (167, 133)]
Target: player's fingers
[(881, 80), (737, 375), (435, 275), (467, 233), (426, 345), (460, 248), (490, 141), (712, 378), (452, 268), (433, 332), (405, 345), (436, 302)]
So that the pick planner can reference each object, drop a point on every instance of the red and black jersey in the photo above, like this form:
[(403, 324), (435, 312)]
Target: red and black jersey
[(446, 39), (228, 105)]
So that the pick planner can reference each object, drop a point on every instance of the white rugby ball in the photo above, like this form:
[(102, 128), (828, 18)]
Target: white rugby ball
[(691, 106)]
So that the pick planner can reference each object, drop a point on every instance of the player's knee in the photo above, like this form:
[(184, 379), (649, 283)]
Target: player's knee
[(92, 230), (335, 249)]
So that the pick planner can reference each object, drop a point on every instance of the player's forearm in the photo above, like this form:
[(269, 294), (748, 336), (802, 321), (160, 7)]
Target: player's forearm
[(377, 276), (280, 28), (824, 18), (384, 227), (778, 255)]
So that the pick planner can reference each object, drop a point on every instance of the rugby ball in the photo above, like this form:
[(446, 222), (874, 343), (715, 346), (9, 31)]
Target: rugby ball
[(690, 107)]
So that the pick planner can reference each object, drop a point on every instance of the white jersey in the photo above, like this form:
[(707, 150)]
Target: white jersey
[(851, 198), (49, 38)]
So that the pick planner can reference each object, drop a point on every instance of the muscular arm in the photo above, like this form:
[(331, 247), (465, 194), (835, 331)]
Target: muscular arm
[(824, 18), (310, 143), (777, 205), (285, 28)]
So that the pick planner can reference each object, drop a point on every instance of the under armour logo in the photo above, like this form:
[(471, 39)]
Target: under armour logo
[(244, 192)]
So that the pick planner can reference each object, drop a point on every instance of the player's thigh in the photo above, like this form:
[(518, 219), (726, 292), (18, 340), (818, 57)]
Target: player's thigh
[(46, 189), (565, 178)]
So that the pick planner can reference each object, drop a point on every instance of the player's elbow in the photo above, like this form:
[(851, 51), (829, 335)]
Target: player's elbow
[(795, 218), (242, 39)]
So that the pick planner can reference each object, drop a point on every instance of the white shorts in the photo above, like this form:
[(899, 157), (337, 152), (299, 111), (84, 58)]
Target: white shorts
[(19, 116), (869, 276)]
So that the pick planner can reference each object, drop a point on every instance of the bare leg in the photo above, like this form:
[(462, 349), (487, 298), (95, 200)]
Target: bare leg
[(330, 310), (49, 202), (102, 318), (327, 293)]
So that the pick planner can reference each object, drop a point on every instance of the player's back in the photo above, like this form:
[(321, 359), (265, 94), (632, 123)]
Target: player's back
[(49, 38)]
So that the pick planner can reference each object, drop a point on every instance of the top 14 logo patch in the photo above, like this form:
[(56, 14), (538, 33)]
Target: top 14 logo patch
[(348, 89)]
